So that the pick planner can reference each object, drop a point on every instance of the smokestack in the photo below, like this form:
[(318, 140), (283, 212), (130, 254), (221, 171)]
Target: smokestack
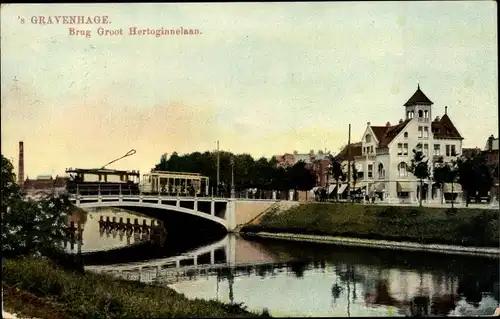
[(21, 166)]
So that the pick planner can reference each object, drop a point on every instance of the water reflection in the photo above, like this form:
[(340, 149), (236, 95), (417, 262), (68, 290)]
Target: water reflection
[(107, 229), (334, 281)]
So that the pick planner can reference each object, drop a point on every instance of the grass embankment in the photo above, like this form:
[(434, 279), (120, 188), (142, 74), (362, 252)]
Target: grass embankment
[(38, 288), (464, 227)]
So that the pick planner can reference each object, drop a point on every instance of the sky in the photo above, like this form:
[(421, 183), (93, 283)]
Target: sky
[(262, 78)]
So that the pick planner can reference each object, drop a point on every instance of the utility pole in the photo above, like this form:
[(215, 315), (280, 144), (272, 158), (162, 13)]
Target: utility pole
[(232, 177), (218, 170), (349, 163)]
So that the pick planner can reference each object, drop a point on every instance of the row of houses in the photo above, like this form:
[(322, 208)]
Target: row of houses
[(43, 185), (384, 152)]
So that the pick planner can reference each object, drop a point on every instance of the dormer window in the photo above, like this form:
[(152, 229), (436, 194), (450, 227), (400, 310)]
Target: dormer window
[(405, 135), (368, 138)]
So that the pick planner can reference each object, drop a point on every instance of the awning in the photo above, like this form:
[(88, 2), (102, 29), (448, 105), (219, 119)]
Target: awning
[(404, 187), (359, 185), (457, 188), (331, 188), (378, 187), (342, 188)]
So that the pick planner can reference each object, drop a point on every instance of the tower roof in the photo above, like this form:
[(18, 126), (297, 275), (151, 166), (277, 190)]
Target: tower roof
[(418, 98)]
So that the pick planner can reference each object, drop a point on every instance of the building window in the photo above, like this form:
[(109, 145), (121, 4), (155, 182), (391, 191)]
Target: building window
[(381, 171), (426, 149), (426, 132), (420, 113), (405, 135), (368, 138), (453, 151), (405, 149), (400, 149), (420, 132), (448, 151), (371, 149), (437, 150), (370, 170), (426, 114), (403, 169), (418, 147)]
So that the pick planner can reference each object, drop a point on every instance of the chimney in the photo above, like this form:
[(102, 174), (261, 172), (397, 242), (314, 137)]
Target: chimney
[(437, 119), (400, 121), (388, 124), (445, 110), (490, 143), (20, 177)]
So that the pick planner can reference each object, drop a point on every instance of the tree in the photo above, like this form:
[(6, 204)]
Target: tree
[(420, 169), (163, 165), (336, 172), (354, 172), (441, 175), (301, 177), (31, 228), (474, 176)]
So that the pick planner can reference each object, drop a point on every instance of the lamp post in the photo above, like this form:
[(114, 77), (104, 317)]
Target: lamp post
[(328, 168), (349, 163), (218, 170), (232, 177)]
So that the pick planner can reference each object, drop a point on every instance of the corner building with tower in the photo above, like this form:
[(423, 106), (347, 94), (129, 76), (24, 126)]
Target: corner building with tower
[(385, 153)]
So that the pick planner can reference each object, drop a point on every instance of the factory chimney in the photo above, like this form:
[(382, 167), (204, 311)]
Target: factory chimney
[(20, 176)]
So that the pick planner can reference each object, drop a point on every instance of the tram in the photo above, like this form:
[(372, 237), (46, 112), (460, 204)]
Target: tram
[(95, 181), (102, 181), (174, 183)]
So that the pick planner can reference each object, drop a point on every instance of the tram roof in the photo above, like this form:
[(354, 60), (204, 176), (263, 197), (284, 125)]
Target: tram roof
[(102, 171), (172, 174)]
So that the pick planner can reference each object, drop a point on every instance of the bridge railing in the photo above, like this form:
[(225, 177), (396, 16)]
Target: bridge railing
[(123, 190)]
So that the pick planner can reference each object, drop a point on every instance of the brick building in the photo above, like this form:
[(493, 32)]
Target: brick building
[(318, 162), (44, 185)]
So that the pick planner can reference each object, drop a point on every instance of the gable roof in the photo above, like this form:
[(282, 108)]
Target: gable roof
[(385, 134), (444, 129), (418, 98), (355, 150)]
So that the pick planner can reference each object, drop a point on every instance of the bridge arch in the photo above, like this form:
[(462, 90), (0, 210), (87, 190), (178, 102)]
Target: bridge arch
[(164, 207), (221, 244)]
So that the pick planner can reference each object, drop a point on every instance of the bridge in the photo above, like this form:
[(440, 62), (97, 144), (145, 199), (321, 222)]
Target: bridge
[(227, 212)]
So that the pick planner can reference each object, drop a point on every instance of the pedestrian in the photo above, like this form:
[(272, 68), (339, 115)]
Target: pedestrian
[(497, 312)]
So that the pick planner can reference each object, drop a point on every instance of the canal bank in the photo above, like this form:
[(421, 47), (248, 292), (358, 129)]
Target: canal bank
[(383, 244), (445, 230)]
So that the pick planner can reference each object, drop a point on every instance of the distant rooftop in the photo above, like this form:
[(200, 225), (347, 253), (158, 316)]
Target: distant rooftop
[(494, 144)]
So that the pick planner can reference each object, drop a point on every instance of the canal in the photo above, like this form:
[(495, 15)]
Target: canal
[(291, 278)]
